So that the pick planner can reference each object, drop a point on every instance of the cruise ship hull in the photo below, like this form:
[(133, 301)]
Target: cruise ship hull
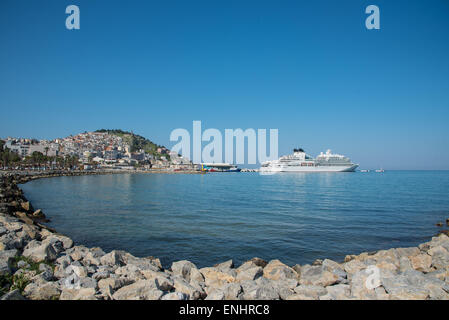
[(309, 169)]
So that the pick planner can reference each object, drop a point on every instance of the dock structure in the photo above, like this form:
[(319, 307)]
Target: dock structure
[(219, 167)]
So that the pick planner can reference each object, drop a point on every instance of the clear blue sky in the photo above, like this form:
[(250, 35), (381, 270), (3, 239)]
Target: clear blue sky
[(309, 68)]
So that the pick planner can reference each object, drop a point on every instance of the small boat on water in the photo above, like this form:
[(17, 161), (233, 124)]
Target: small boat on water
[(380, 170), (364, 170)]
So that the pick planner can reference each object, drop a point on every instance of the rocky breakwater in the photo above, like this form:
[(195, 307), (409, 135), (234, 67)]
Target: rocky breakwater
[(38, 263)]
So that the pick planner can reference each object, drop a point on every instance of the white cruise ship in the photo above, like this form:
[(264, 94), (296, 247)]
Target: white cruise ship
[(299, 161)]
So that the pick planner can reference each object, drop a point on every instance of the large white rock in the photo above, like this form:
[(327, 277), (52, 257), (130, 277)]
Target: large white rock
[(317, 276), (40, 251), (78, 294), (140, 290), (216, 278), (276, 270), (42, 291), (249, 274), (181, 285), (183, 269)]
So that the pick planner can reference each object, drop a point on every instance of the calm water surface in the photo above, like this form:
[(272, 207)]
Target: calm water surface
[(207, 219)]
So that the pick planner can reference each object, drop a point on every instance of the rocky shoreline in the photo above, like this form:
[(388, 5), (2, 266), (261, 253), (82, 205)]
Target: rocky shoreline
[(37, 263)]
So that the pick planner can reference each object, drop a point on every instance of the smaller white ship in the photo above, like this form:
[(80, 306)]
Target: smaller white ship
[(299, 161), (364, 170), (380, 170)]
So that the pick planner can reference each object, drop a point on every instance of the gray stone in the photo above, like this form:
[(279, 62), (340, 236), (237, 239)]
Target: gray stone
[(13, 295), (40, 251), (13, 226), (3, 231), (181, 285), (440, 257), (64, 261), (102, 274), (113, 284), (405, 264), (312, 291), (97, 252), (90, 258), (285, 288), (407, 252), (247, 285), (183, 268), (87, 282), (140, 290), (254, 262), (11, 241), (435, 287), (161, 279), (45, 291), (165, 284), (363, 284), (45, 267), (336, 269), (421, 262), (196, 277), (215, 294), (78, 294), (77, 268), (224, 266), (284, 291), (232, 291), (276, 270), (47, 275), (409, 285), (113, 258), (77, 253), (265, 292), (246, 265), (249, 274), (141, 263), (353, 266), (216, 278), (298, 296), (175, 296), (337, 292), (439, 274), (6, 260), (32, 232), (317, 276), (155, 261), (64, 242), (91, 269), (130, 271), (297, 268)]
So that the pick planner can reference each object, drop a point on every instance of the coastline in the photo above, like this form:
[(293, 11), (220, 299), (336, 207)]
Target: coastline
[(41, 264)]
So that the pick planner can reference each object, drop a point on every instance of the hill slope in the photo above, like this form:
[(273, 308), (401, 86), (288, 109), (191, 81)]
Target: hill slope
[(135, 141)]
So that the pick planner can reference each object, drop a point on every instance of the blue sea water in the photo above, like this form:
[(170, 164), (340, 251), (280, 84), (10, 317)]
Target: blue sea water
[(210, 218)]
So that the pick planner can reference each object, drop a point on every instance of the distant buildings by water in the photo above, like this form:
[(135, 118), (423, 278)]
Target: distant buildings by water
[(99, 150)]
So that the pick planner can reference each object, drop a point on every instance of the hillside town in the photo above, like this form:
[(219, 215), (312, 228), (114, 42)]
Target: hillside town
[(111, 149)]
